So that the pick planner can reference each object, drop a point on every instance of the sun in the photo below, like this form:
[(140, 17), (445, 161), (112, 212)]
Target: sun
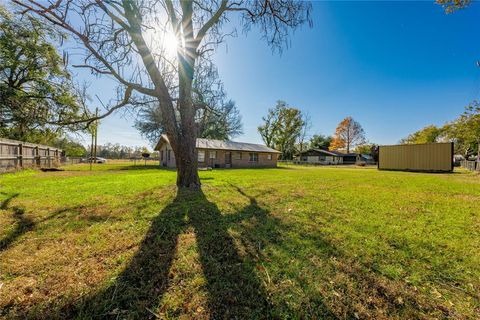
[(170, 43), (162, 41)]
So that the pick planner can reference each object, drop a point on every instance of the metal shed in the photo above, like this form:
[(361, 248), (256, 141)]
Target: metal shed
[(428, 157)]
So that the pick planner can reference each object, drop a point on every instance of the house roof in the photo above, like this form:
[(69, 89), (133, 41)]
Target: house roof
[(225, 145), (341, 154), (330, 153)]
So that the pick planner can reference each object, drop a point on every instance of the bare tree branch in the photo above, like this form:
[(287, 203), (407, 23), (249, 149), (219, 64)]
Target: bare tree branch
[(89, 120), (214, 19)]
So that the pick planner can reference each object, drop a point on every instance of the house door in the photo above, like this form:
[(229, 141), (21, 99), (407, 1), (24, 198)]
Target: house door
[(228, 159)]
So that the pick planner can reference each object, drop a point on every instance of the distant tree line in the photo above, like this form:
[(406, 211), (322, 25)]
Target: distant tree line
[(118, 151)]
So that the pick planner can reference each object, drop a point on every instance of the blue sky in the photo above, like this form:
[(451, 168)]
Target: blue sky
[(393, 66)]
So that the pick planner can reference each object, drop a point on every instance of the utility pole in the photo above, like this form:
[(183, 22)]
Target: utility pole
[(96, 131), (93, 145), (91, 152)]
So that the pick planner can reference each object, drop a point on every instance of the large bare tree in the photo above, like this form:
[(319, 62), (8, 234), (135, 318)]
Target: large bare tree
[(127, 40)]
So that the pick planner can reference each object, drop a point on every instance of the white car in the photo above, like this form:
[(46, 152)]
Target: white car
[(95, 160)]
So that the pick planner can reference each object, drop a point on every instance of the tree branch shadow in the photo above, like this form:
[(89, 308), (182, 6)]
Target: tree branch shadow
[(23, 224), (138, 289), (235, 290), (6, 202), (265, 230)]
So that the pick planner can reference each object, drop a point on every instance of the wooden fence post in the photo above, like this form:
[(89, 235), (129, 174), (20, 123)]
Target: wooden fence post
[(48, 157), (20, 155), (14, 153), (37, 157)]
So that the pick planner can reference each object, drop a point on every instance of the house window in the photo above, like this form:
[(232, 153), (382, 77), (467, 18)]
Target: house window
[(169, 154), (238, 156), (201, 155), (161, 155), (269, 156), (212, 154), (253, 157)]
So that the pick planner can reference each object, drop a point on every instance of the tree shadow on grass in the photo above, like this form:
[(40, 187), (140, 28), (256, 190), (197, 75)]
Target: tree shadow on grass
[(264, 230), (234, 289), (22, 223), (6, 202), (137, 290)]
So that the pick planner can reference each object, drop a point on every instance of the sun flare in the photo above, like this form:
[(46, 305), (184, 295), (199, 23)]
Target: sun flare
[(162, 41), (170, 43)]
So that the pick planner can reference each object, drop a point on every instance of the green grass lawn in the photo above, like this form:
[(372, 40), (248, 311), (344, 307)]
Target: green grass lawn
[(305, 243)]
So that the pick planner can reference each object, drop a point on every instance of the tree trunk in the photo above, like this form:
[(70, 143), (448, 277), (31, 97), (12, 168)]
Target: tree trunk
[(348, 138), (187, 175), (185, 159), (185, 144)]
